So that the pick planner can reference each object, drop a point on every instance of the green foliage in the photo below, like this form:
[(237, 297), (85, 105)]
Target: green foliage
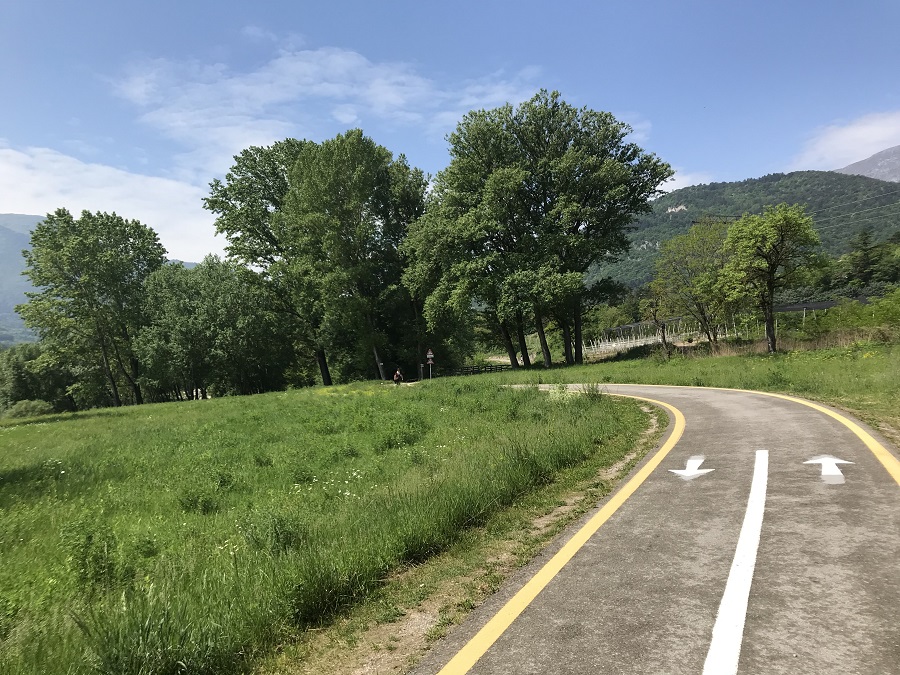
[(840, 204), (765, 254), (689, 277), (212, 328), (91, 273), (25, 408), (532, 197), (28, 372), (323, 224)]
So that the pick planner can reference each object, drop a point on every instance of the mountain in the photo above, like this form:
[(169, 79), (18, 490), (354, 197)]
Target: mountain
[(15, 236), (840, 205), (884, 165)]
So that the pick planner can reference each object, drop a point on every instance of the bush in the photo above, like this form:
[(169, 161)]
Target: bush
[(28, 409)]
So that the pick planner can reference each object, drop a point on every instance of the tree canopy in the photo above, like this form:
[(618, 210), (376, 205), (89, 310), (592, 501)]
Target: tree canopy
[(532, 197), (765, 254), (90, 273)]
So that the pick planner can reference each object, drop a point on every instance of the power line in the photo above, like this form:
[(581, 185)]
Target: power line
[(855, 221), (858, 201), (854, 213)]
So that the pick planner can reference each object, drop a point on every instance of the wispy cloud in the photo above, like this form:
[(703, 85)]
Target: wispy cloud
[(214, 111), (837, 145), (46, 180), (683, 179)]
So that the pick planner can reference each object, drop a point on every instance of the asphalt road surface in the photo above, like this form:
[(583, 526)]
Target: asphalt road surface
[(775, 548)]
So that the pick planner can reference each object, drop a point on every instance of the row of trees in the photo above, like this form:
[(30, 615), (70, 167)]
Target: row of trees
[(719, 269), (118, 324), (340, 259), (343, 258)]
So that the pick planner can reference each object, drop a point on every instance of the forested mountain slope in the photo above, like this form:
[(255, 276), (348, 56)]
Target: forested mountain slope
[(840, 205)]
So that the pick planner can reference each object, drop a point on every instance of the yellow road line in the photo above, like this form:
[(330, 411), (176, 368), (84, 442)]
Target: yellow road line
[(891, 463), (882, 454), (482, 641)]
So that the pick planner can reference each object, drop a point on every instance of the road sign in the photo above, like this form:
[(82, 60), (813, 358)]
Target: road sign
[(429, 354)]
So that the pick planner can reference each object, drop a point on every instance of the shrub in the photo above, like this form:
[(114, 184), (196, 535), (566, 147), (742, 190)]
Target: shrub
[(28, 409)]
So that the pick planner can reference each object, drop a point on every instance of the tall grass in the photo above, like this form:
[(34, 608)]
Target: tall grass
[(195, 537), (859, 375)]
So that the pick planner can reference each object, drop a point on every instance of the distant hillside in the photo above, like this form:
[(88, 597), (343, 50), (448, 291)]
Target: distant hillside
[(15, 235), (884, 165), (840, 205)]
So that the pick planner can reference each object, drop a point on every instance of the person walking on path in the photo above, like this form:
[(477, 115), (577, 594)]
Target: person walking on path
[(398, 377)]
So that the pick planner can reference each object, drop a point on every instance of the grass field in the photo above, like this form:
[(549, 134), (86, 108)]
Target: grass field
[(861, 377), (197, 537), (206, 537)]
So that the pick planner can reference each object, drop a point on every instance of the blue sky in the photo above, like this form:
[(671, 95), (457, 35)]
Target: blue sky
[(135, 107)]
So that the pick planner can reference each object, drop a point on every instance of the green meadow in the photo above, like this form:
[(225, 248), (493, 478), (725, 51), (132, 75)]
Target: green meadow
[(198, 537), (861, 376), (204, 537)]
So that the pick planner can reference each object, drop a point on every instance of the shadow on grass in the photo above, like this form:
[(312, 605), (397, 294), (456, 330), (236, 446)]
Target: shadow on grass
[(51, 477), (65, 417)]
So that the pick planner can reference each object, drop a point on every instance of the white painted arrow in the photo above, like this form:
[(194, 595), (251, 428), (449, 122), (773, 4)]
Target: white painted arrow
[(831, 474), (692, 469)]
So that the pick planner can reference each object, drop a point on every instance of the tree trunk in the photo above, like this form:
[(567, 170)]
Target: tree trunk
[(545, 349), (567, 343), (523, 346), (117, 400), (378, 363), (579, 338), (507, 342), (323, 367), (769, 314), (664, 339)]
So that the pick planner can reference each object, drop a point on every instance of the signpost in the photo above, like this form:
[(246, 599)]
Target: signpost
[(430, 356)]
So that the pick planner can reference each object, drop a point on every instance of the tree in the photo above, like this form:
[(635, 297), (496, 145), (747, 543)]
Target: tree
[(212, 328), (765, 253), (322, 224), (89, 308), (25, 376), (543, 189), (346, 214), (688, 277)]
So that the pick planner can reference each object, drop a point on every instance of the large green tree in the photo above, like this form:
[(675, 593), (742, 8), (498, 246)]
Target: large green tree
[(766, 253), (322, 223), (211, 327), (88, 308), (689, 280), (347, 212), (533, 195)]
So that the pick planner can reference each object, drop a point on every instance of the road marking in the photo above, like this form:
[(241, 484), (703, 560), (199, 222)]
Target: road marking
[(888, 461), (831, 474), (692, 468), (728, 631), (473, 650)]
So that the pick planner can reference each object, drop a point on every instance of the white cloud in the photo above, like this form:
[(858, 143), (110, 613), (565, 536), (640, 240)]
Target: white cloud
[(215, 112), (39, 181), (837, 145), (683, 179)]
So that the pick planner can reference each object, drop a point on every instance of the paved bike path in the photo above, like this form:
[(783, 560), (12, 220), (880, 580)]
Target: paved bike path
[(642, 595)]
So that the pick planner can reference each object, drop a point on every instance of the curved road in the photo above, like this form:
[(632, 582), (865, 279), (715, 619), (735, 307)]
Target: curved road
[(775, 549)]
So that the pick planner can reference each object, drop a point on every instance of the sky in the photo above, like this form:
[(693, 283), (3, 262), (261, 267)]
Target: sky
[(134, 107)]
